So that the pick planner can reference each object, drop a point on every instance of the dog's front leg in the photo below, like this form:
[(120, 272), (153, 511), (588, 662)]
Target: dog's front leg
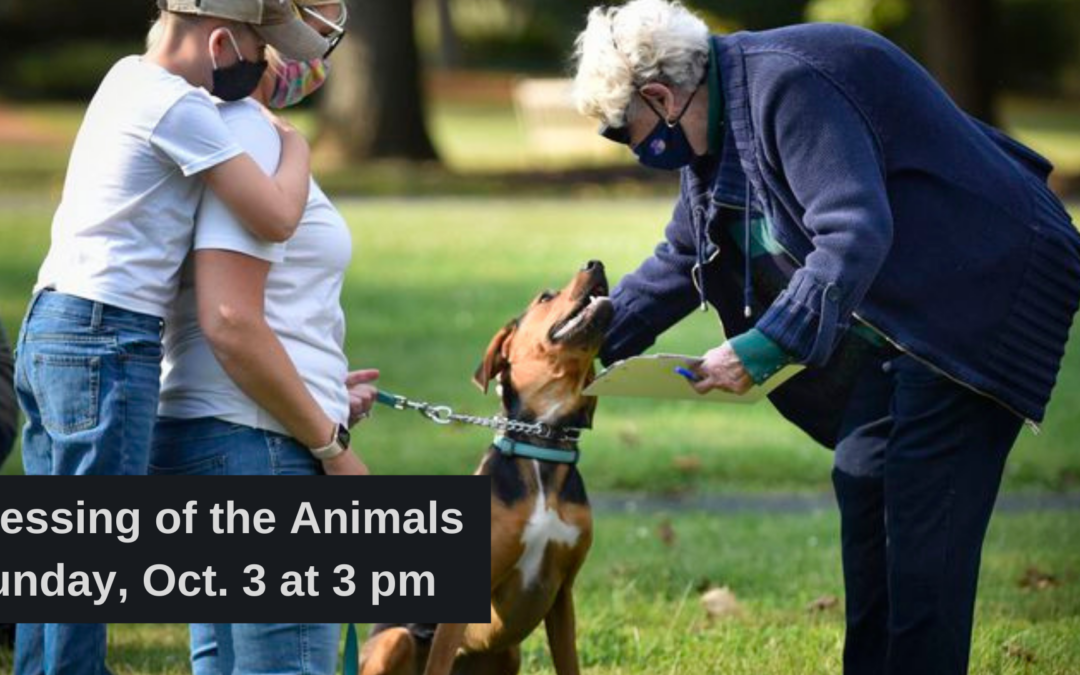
[(561, 633), (444, 647)]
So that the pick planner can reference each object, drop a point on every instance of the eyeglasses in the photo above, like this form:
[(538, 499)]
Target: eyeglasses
[(337, 28), (622, 134)]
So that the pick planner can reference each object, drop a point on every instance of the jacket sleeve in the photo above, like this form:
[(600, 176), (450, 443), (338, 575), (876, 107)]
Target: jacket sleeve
[(9, 410), (820, 144), (656, 295)]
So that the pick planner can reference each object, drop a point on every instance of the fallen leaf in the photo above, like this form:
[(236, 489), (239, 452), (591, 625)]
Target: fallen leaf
[(1037, 580), (666, 533), (824, 604), (687, 463), (1021, 653), (720, 603)]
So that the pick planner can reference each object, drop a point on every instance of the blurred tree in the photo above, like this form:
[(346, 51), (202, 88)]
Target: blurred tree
[(373, 107), (449, 45), (957, 41), (959, 48)]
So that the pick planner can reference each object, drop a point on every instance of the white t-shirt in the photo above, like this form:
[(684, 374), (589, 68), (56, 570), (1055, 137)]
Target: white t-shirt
[(125, 219), (302, 304)]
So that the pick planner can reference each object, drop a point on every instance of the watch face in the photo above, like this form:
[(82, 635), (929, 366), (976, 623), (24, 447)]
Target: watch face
[(343, 436)]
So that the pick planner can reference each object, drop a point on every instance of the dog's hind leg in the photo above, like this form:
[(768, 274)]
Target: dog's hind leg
[(489, 663), (390, 652)]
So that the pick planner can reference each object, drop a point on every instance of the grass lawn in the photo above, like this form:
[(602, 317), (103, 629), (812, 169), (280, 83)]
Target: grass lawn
[(477, 141), (431, 281), (639, 611)]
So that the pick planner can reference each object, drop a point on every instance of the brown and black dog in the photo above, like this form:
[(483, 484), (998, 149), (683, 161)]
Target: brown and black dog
[(541, 523)]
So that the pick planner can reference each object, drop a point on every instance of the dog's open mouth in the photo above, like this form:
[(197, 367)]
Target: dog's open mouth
[(588, 320)]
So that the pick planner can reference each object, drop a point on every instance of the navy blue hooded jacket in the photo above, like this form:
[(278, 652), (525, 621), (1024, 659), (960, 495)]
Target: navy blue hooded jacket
[(894, 207)]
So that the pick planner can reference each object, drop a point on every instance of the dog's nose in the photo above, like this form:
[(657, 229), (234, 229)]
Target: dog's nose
[(592, 266)]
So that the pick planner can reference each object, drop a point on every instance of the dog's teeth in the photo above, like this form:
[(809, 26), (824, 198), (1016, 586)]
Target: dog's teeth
[(570, 325)]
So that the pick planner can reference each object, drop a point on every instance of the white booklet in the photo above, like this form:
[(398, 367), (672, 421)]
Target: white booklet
[(655, 376)]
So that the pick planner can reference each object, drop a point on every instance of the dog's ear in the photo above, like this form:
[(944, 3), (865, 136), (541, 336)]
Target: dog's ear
[(496, 357)]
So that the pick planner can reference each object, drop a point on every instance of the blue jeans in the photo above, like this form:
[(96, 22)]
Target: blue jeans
[(916, 477), (264, 648), (86, 376), (209, 446)]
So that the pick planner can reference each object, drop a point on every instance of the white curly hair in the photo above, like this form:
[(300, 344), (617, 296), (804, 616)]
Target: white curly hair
[(624, 48)]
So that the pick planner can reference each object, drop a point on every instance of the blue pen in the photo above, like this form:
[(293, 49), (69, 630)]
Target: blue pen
[(690, 377)]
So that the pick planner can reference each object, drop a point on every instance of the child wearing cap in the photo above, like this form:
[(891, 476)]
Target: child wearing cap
[(89, 355)]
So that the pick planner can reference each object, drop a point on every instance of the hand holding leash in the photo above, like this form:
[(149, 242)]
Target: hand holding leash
[(362, 394)]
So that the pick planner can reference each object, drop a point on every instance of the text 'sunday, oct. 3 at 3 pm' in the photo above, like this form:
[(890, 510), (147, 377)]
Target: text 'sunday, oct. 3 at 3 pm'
[(242, 549)]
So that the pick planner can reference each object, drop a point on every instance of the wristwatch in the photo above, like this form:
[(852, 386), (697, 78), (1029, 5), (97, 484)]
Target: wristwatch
[(337, 446)]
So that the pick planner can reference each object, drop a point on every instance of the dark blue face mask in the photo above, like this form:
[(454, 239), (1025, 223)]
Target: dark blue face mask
[(666, 147)]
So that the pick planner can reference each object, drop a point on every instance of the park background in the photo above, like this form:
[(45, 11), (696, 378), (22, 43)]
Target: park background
[(469, 186)]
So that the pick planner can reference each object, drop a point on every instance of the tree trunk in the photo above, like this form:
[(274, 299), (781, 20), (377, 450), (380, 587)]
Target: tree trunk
[(374, 103), (959, 50), (449, 46)]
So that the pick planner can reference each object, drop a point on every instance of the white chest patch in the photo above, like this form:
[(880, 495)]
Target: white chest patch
[(544, 526)]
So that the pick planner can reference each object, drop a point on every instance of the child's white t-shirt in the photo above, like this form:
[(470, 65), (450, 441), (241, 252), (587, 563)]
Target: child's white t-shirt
[(126, 217)]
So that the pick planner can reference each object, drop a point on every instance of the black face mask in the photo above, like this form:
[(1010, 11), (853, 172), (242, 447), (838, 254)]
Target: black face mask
[(238, 80)]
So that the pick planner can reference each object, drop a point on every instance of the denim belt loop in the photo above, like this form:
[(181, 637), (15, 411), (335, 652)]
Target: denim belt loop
[(96, 315)]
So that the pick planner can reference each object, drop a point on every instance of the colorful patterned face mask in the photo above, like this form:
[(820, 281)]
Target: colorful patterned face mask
[(296, 80)]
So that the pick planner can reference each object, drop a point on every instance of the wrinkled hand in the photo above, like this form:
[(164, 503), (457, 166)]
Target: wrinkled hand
[(361, 394), (721, 368), (345, 464)]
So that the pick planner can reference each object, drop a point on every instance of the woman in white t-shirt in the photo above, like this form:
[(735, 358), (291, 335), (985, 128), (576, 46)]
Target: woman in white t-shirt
[(255, 369), (89, 353)]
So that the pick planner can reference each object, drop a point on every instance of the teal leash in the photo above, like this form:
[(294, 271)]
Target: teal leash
[(352, 651)]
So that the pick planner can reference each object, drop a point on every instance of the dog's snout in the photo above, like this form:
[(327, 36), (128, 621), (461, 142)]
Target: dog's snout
[(592, 266)]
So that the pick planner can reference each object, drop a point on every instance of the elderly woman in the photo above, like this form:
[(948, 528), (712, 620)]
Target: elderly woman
[(839, 211)]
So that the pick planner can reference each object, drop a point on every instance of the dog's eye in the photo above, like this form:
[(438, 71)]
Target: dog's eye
[(546, 296)]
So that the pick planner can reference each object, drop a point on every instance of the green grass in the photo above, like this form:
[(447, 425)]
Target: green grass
[(639, 612), (431, 281), (475, 141)]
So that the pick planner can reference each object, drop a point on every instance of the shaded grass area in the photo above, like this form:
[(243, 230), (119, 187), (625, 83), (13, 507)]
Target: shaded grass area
[(433, 279), (639, 611), (485, 151)]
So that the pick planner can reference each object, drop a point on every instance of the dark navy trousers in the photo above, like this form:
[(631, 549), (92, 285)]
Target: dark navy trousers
[(916, 475)]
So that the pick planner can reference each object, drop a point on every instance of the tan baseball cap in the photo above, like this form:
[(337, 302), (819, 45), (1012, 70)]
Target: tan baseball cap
[(276, 21)]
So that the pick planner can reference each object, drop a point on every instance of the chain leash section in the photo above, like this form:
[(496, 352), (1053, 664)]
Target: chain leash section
[(444, 415)]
